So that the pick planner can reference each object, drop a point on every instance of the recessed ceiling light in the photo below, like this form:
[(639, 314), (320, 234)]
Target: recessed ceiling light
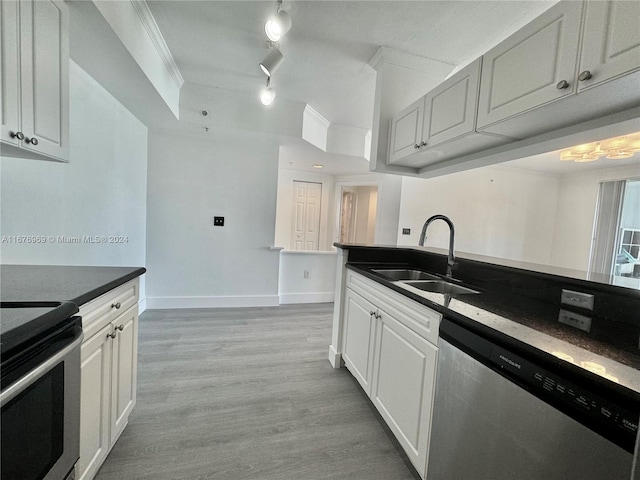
[(317, 165)]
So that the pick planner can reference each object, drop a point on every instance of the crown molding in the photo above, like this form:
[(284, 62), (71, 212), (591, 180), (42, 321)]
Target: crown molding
[(387, 55), (315, 115), (153, 31)]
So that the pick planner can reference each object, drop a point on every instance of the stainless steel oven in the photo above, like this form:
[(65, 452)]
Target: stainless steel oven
[(40, 400)]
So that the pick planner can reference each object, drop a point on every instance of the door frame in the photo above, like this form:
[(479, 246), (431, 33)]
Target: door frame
[(338, 204)]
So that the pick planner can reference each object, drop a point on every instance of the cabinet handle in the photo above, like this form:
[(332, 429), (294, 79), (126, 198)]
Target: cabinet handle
[(423, 144), (377, 315), (416, 146), (562, 84), (18, 135), (120, 327), (371, 314), (116, 305), (33, 141), (586, 75), (112, 335)]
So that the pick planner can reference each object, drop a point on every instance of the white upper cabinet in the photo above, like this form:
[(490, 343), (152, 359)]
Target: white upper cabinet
[(534, 66), (10, 75), (450, 108), (555, 62), (611, 42), (35, 79), (406, 131), (442, 124), (574, 68)]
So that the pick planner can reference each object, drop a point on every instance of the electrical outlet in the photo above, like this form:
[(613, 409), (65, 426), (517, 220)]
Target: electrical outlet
[(577, 299), (406, 231), (306, 274), (218, 221)]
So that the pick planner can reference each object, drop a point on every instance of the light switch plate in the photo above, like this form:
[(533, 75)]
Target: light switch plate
[(406, 231), (218, 221)]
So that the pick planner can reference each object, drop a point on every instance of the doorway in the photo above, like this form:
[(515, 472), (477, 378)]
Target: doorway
[(358, 210), (616, 242)]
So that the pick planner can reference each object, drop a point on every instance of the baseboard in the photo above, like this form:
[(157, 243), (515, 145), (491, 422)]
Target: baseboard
[(164, 303), (335, 358), (315, 297), (142, 305)]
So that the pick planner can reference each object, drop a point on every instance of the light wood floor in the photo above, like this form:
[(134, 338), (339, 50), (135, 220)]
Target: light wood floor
[(232, 394)]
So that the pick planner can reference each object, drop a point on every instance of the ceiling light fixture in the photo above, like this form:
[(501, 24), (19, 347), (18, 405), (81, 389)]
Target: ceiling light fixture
[(277, 25), (613, 148), (268, 94), (317, 165), (272, 61)]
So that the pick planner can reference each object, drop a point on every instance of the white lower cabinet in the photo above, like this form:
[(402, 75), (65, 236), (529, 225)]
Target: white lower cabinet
[(359, 331), (404, 375), (389, 344), (109, 358)]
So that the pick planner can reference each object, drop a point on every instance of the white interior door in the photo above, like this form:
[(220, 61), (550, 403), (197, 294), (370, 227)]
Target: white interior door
[(307, 199)]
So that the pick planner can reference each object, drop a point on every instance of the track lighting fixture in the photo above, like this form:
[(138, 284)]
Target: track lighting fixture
[(272, 61), (277, 25), (268, 94)]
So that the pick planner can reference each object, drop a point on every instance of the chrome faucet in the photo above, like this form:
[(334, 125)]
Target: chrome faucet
[(423, 237)]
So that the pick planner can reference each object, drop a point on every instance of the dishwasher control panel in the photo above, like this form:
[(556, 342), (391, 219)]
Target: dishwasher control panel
[(608, 419)]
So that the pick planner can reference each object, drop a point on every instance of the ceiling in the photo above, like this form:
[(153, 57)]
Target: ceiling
[(550, 163), (220, 44)]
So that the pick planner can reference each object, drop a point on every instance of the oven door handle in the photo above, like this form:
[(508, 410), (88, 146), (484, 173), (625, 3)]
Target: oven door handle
[(30, 378)]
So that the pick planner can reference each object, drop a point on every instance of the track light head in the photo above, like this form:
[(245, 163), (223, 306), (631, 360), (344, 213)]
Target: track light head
[(277, 26), (271, 62), (268, 94)]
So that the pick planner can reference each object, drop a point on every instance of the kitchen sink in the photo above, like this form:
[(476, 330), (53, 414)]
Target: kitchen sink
[(404, 274), (439, 286)]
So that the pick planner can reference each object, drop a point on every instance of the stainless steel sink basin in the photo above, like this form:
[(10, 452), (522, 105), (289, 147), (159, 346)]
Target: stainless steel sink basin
[(439, 286), (404, 274)]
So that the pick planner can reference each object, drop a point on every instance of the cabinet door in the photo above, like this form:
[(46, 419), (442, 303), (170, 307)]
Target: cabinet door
[(10, 74), (95, 403), (611, 41), (358, 337), (45, 76), (450, 108), (403, 383), (523, 72), (406, 131), (124, 370)]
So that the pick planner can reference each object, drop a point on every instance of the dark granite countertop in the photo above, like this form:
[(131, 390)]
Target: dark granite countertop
[(37, 298), (77, 284), (525, 306)]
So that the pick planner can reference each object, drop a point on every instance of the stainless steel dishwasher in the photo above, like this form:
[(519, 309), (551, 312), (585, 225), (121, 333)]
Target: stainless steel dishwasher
[(502, 416)]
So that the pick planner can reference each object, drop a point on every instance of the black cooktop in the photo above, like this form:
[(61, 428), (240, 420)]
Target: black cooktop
[(23, 323)]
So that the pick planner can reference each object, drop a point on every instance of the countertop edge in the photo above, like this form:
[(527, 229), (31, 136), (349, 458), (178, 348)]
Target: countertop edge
[(502, 338), (96, 292)]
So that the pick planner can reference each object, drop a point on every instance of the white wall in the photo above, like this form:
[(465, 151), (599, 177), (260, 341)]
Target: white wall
[(577, 201), (101, 191), (284, 210), (319, 285), (497, 211), (191, 179), (365, 211)]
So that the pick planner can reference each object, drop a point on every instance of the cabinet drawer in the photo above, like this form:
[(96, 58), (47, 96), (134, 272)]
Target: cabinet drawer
[(101, 311), (422, 320)]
